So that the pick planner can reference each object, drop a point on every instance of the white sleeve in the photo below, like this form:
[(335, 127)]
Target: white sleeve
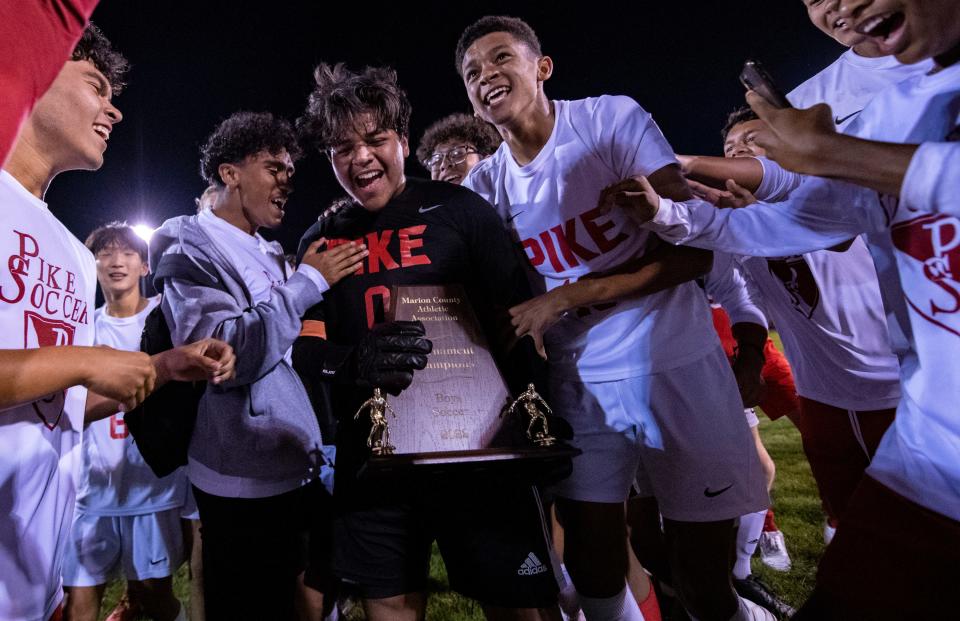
[(932, 182), (819, 214), (734, 291), (626, 137), (777, 181)]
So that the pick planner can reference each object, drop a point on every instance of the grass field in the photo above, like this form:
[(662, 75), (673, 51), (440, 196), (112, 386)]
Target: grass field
[(796, 504)]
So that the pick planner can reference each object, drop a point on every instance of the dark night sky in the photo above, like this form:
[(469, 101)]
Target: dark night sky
[(195, 63)]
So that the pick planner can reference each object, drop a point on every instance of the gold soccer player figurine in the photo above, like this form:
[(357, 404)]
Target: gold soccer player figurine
[(379, 439), (532, 401)]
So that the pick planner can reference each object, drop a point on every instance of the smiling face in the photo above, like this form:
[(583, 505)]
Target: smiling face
[(825, 15), (456, 159), (912, 30), (119, 270), (368, 162), (739, 142), (503, 77), (73, 120), (261, 184)]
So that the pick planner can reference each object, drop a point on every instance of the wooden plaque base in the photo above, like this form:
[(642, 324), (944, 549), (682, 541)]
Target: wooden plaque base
[(450, 418)]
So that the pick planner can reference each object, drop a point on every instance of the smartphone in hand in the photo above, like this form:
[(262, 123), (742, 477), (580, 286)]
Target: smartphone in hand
[(755, 78)]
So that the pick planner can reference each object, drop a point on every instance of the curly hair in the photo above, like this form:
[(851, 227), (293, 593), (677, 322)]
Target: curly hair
[(459, 127), (740, 115), (241, 135), (96, 48), (118, 234), (341, 96), (515, 26)]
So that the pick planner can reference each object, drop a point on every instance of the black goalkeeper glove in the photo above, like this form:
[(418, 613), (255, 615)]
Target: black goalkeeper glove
[(388, 355)]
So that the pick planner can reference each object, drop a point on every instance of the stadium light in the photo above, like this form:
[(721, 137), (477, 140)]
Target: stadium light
[(144, 231)]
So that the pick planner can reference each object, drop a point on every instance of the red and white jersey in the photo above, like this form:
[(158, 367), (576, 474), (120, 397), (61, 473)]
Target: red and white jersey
[(847, 84), (114, 479), (551, 206), (47, 288), (915, 243), (827, 308)]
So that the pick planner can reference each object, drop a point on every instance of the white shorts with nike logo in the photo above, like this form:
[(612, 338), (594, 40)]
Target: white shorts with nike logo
[(679, 435), (138, 547)]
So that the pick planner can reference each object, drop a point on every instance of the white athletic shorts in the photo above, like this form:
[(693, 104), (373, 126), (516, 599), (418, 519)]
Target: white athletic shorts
[(679, 435), (141, 546)]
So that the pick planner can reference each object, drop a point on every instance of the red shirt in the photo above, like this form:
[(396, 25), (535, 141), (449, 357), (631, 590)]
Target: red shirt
[(36, 38)]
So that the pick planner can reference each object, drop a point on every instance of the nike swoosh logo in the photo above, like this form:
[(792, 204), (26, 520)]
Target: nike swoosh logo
[(839, 121), (710, 493), (426, 209), (157, 562), (510, 219)]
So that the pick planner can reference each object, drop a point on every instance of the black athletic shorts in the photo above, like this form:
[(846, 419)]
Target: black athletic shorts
[(491, 534)]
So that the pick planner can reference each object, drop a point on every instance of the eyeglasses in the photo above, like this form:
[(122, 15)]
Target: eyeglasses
[(454, 156)]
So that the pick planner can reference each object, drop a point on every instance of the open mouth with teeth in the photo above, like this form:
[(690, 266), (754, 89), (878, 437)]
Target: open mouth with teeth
[(278, 202), (117, 275), (496, 95), (368, 178), (885, 29), (102, 130), (452, 178)]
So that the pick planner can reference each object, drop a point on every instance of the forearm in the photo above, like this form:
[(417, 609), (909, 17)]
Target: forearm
[(29, 374), (317, 360), (750, 336), (260, 335), (820, 213), (664, 267), (880, 166), (714, 171), (99, 407)]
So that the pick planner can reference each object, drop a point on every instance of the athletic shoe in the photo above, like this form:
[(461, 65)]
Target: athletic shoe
[(753, 589), (773, 550), (828, 533)]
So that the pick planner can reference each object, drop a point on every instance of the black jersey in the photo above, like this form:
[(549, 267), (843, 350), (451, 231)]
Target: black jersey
[(433, 233)]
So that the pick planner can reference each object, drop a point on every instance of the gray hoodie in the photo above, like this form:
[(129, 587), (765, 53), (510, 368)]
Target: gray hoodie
[(256, 435)]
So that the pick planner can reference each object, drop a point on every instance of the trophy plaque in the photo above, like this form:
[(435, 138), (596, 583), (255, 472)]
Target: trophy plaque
[(458, 412)]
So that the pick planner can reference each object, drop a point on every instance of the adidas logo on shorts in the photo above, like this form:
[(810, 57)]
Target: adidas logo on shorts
[(531, 566)]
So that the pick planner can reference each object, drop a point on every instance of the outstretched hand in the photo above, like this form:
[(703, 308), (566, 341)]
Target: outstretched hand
[(337, 262), (634, 195), (537, 315), (793, 138), (734, 197)]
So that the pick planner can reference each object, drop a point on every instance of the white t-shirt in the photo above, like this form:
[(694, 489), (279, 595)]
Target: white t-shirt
[(551, 206), (261, 263), (915, 246), (847, 84), (47, 289), (115, 480)]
